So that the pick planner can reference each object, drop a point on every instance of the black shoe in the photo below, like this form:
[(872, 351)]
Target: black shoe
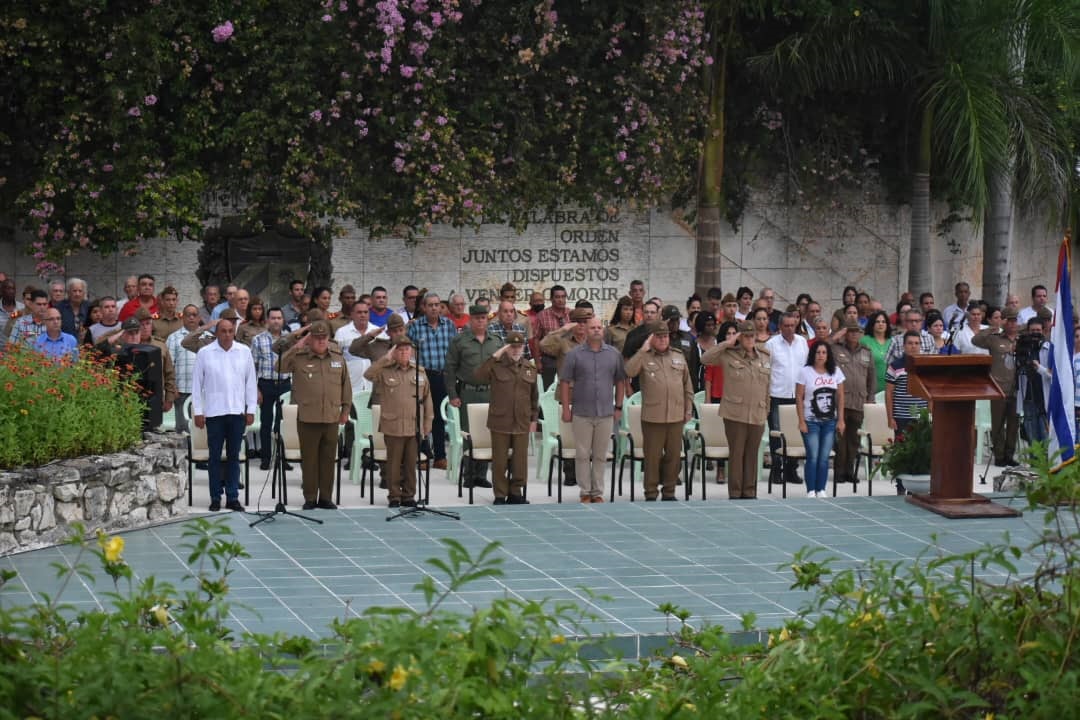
[(408, 503), (215, 505), (1000, 463), (326, 505), (394, 504), (235, 506), (240, 485), (900, 489), (481, 483), (569, 481), (1011, 463), (516, 500), (669, 498), (652, 499), (793, 479), (500, 501), (202, 466), (382, 484), (288, 466), (264, 465), (309, 505)]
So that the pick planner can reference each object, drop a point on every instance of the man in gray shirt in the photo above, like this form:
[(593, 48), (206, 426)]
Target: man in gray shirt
[(593, 373)]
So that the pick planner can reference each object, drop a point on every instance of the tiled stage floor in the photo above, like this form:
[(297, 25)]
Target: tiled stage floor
[(717, 559)]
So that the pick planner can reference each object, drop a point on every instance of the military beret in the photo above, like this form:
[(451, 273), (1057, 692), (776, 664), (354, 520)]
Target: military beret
[(475, 310), (746, 328), (659, 328), (319, 329), (403, 340), (729, 298), (580, 314), (1009, 313), (853, 325), (229, 314), (142, 314), (130, 325), (515, 338), (395, 321), (670, 312)]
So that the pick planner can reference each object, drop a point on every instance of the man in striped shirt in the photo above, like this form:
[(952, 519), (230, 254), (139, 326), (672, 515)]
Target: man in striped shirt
[(432, 334), (272, 382), (183, 362), (913, 322), (902, 407)]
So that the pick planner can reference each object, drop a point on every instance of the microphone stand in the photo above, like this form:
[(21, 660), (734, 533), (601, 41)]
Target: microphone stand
[(422, 504), (277, 462)]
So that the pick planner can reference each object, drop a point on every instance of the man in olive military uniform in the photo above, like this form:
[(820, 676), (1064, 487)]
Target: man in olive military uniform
[(399, 383), (667, 403), (558, 343), (515, 405), (288, 340), (1004, 420), (684, 342), (468, 351), (323, 393), (376, 343), (860, 385)]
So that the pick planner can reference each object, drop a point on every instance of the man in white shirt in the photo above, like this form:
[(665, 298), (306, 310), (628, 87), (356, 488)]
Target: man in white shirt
[(1039, 296), (344, 337), (962, 338), (224, 396), (953, 315), (788, 356)]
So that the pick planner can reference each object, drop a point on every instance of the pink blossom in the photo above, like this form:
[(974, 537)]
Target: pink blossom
[(315, 115), (134, 111), (436, 19), (709, 60), (621, 156), (441, 120), (407, 71), (94, 194), (150, 100), (468, 203), (106, 168), (327, 18), (399, 164), (223, 32)]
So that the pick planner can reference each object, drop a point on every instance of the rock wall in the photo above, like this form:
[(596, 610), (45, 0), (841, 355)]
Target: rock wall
[(107, 492)]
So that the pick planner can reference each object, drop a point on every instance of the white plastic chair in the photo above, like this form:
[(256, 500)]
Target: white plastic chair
[(875, 435), (636, 451), (477, 442), (711, 443)]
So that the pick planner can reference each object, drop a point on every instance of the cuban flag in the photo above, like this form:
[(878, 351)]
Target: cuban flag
[(1059, 406)]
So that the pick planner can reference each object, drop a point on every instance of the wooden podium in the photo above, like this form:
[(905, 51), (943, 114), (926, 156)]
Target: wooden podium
[(952, 384)]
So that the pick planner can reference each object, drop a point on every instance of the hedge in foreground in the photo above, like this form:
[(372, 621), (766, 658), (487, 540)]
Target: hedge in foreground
[(882, 640)]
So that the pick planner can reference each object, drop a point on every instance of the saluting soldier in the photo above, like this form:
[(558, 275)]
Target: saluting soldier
[(745, 408), (287, 341), (376, 343), (323, 393), (512, 414), (468, 351), (860, 384), (399, 384), (667, 403)]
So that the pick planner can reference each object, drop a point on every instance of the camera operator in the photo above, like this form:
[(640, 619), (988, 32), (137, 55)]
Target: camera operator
[(1033, 381), (1004, 421)]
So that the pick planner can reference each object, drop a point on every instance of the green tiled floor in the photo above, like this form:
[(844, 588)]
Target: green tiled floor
[(717, 559)]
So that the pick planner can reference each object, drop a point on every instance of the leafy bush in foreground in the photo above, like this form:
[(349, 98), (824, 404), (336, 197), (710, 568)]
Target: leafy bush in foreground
[(881, 640)]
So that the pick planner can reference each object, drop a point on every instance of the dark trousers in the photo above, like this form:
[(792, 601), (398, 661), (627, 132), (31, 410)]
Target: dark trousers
[(792, 466), (1004, 427), (847, 446), (437, 386), (501, 445), (225, 431), (318, 455), (269, 419)]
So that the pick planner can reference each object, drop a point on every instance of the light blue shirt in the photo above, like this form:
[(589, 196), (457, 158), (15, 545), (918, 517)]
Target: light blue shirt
[(220, 308), (63, 346)]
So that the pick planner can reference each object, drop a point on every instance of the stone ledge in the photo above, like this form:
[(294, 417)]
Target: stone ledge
[(130, 489)]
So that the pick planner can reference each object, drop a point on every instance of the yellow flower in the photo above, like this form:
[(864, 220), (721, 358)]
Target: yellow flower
[(398, 678), (858, 12), (557, 639), (114, 547), (785, 635), (375, 667), (24, 411), (678, 661), (161, 614)]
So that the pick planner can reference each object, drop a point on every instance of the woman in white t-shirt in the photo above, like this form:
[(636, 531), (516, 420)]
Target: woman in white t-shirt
[(819, 391)]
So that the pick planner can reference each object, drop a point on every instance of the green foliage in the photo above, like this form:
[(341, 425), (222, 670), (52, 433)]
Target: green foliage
[(909, 454), (55, 410), (880, 640)]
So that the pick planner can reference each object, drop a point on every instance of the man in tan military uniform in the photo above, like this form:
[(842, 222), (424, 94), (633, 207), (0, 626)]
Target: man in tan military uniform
[(512, 413), (376, 343), (1004, 420), (556, 344), (168, 369), (860, 385), (667, 403), (745, 408), (399, 382), (168, 318), (468, 351), (323, 392)]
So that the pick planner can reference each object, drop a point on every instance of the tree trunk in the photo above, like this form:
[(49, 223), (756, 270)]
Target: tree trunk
[(707, 264), (997, 238), (920, 278), (711, 195)]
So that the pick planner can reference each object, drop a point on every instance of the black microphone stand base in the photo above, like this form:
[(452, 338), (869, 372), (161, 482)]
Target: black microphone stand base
[(420, 509), (277, 476), (279, 509)]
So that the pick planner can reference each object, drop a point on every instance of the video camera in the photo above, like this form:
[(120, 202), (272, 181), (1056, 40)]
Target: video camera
[(1027, 349)]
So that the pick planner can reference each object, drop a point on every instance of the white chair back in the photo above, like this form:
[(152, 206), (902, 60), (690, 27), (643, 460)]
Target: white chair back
[(478, 429), (200, 443), (789, 427), (378, 440), (876, 423), (290, 434), (634, 426), (711, 427)]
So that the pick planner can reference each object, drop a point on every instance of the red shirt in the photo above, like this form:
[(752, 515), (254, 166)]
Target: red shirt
[(132, 306), (460, 321), (715, 374)]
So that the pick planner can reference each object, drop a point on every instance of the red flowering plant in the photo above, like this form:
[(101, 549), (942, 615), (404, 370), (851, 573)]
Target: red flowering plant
[(52, 410), (909, 453)]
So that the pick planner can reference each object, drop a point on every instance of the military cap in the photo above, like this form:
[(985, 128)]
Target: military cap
[(515, 338), (315, 315), (403, 340), (475, 310), (747, 328), (130, 325), (853, 326), (1009, 313), (142, 314), (580, 314), (319, 329), (1044, 314), (229, 314), (670, 312), (395, 321), (659, 328)]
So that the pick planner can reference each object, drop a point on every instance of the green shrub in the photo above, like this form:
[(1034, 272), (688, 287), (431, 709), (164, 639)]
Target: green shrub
[(882, 640), (56, 410)]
